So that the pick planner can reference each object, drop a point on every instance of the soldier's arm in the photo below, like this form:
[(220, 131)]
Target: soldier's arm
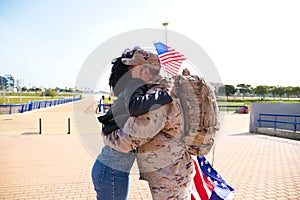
[(138, 130)]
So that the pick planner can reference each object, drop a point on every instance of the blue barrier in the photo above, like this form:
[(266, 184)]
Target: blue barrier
[(275, 121), (103, 106), (21, 108)]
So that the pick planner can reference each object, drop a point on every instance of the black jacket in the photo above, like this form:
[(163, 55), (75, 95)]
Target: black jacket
[(133, 101)]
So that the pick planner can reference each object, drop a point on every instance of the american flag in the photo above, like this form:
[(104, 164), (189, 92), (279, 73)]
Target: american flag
[(170, 59), (208, 184)]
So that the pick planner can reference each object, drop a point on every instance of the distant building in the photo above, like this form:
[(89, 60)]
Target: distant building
[(3, 83), (216, 86), (8, 83)]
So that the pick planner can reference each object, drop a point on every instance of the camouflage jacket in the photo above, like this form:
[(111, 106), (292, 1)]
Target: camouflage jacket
[(161, 155)]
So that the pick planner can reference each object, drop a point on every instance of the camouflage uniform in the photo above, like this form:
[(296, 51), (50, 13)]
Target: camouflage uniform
[(161, 156)]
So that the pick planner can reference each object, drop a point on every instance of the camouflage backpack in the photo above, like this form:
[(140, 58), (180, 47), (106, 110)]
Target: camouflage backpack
[(200, 112)]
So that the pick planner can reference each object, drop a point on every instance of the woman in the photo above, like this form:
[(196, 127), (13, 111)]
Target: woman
[(110, 173)]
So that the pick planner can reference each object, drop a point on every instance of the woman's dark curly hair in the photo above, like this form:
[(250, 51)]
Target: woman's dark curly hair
[(120, 74)]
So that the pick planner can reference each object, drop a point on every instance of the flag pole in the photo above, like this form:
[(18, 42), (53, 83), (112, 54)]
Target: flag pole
[(165, 24)]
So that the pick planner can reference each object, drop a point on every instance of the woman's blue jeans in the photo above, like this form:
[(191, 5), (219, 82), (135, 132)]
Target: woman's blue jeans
[(110, 174)]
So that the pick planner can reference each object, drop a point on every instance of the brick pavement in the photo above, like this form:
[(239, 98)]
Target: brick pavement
[(55, 165), (257, 166)]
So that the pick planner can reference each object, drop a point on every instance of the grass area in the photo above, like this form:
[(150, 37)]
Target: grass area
[(248, 102), (33, 94), (14, 98)]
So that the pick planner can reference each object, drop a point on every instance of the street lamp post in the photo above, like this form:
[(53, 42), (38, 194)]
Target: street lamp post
[(165, 24)]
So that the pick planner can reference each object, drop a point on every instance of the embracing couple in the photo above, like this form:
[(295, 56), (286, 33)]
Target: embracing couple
[(144, 123)]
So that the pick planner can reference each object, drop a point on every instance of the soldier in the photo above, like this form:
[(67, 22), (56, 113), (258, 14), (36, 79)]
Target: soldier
[(161, 156)]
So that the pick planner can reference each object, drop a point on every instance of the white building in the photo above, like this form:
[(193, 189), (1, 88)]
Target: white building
[(8, 83)]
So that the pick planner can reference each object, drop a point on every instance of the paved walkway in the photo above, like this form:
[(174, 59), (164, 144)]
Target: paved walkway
[(55, 165)]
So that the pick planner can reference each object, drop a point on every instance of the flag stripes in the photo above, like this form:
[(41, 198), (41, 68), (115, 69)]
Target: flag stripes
[(208, 183), (170, 59)]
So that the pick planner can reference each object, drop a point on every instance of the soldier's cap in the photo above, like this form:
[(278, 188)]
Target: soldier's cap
[(142, 57)]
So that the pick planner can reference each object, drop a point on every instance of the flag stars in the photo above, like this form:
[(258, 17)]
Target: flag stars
[(169, 58), (214, 181)]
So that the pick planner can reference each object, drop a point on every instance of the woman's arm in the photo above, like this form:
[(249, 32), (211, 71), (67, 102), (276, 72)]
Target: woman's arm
[(138, 102)]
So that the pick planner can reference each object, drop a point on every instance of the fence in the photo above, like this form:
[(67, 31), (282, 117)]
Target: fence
[(292, 120), (21, 108), (102, 107)]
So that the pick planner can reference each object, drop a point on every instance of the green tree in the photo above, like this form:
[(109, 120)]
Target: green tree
[(244, 89), (229, 90), (24, 89), (50, 92), (296, 91), (35, 89), (58, 89), (70, 90), (272, 90), (280, 91), (261, 90), (288, 91)]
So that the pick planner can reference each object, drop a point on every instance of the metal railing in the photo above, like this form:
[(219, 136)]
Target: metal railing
[(277, 121), (103, 106), (21, 108)]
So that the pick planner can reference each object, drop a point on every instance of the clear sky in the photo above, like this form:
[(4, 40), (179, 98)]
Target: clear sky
[(46, 42)]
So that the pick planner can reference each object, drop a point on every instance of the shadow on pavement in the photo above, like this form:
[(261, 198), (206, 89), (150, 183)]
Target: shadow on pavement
[(30, 133), (243, 134)]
